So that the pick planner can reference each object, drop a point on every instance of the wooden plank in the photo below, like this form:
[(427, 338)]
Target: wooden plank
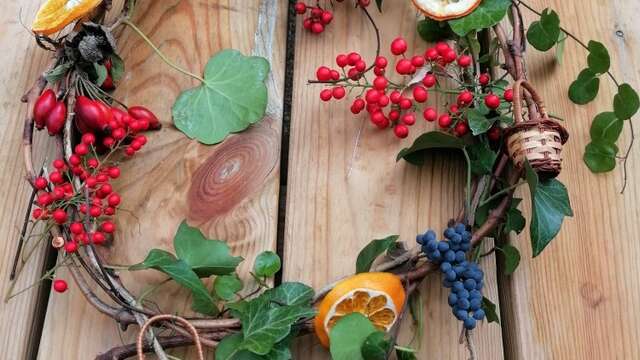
[(21, 62), (577, 300), (338, 198), (229, 191)]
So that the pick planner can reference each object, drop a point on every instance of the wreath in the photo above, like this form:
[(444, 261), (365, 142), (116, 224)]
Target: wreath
[(502, 128)]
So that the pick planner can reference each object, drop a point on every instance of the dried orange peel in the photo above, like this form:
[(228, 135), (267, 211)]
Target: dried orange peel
[(378, 296), (54, 15), (446, 9)]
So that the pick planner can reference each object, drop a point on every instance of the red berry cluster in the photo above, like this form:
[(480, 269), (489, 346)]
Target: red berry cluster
[(318, 17), (394, 105)]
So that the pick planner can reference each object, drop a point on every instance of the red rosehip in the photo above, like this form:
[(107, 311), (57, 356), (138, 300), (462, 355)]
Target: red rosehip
[(484, 79), (60, 285), (401, 131), (430, 114), (444, 121), (429, 80), (409, 118), (492, 101), (420, 94), (398, 46), (508, 95), (325, 95), (42, 108)]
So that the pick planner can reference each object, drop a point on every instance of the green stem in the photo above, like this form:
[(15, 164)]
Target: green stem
[(500, 193), (160, 53)]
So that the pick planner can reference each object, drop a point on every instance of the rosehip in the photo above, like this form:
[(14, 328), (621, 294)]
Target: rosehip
[(59, 216), (381, 62), (484, 79), (90, 116), (60, 285), (409, 118), (420, 94), (40, 183), (430, 114), (56, 119), (401, 131), (444, 121), (508, 95), (398, 46), (492, 101), (300, 7), (429, 80), (42, 107), (70, 247), (148, 118)]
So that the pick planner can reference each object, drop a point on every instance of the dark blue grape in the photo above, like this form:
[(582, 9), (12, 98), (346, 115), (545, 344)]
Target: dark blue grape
[(463, 294), (464, 304), (460, 256), (445, 266), (443, 246), (462, 315), (475, 304), (458, 286), (447, 284), (448, 233), (478, 314), (430, 235), (451, 275), (431, 245), (450, 256), (469, 323), (456, 238), (453, 299), (475, 294), (470, 284), (460, 228), (465, 246), (480, 285), (420, 239)]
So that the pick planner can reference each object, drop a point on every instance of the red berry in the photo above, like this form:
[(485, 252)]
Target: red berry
[(74, 160), (59, 216), (56, 119), (450, 56), (60, 285), (465, 98), (325, 95), (379, 71), (326, 17), (323, 73), (409, 118), (444, 121), (316, 12), (306, 23), (58, 164), (380, 83), (372, 96), (401, 131), (417, 61), (37, 213), (403, 66), (453, 109), (395, 96), (98, 238), (70, 247), (492, 101), (442, 48), (342, 60), (106, 189), (383, 101), (494, 133), (354, 74), (109, 211), (461, 128), (338, 92), (44, 199), (300, 7), (354, 57), (95, 211), (430, 114), (76, 228), (394, 115), (56, 177), (484, 79), (464, 61), (93, 163), (81, 149), (113, 200), (420, 94), (357, 106), (360, 66), (317, 28), (431, 54), (381, 62), (40, 183), (398, 46), (364, 3), (377, 117), (108, 227), (405, 104), (91, 182), (508, 95), (429, 80), (88, 138)]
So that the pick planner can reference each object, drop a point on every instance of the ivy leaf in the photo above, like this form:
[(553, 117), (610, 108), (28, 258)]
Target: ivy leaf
[(598, 58), (489, 13), (626, 102), (560, 45), (482, 158), (375, 346), (227, 286), (585, 88), (54, 75), (432, 30), (229, 349), (514, 221), (511, 258), (101, 73), (369, 253), (432, 140), (117, 67), (606, 127), (267, 264), (206, 257), (403, 353), (181, 272), (348, 335), (291, 293), (550, 203), (479, 123), (490, 310), (600, 156), (232, 97), (544, 33)]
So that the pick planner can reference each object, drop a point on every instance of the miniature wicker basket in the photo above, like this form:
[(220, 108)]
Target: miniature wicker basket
[(537, 140)]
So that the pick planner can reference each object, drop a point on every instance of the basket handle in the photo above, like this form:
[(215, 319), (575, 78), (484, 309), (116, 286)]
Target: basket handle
[(517, 99)]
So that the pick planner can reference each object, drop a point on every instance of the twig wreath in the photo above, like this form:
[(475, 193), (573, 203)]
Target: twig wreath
[(506, 134)]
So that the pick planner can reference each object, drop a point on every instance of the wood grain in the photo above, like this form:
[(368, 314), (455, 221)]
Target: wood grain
[(576, 300), (230, 191), (346, 189)]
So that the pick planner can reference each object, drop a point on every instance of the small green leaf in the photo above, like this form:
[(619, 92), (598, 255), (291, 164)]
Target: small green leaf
[(626, 102), (490, 310), (101, 73), (598, 58), (433, 31), (489, 13), (432, 140), (479, 123), (154, 259), (562, 41), (482, 158), (227, 286), (117, 67), (375, 346), (54, 75), (348, 335), (585, 88), (403, 353), (544, 33), (291, 293), (606, 127), (600, 156), (206, 257), (511, 258), (550, 203), (267, 264), (514, 221), (232, 97), (369, 253)]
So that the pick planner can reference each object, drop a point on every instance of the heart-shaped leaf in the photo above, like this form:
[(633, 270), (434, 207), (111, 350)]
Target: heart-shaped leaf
[(375, 346), (432, 30), (478, 122), (431, 140), (585, 88), (600, 156), (226, 286), (511, 258), (487, 14), (482, 158), (544, 33), (606, 127), (232, 97), (348, 335), (490, 310), (626, 102), (369, 253), (267, 264), (598, 58)]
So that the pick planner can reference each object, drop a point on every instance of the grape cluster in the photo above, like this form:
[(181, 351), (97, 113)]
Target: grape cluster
[(464, 278)]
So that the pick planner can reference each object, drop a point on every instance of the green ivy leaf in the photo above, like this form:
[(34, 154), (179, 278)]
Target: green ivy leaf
[(101, 73), (206, 257), (348, 335), (511, 258), (544, 33), (482, 158), (514, 221), (181, 272), (479, 123), (369, 253), (550, 203), (433, 31), (600, 156), (267, 264), (585, 88), (403, 353), (117, 67), (232, 97), (375, 346), (229, 349), (490, 310), (489, 13), (626, 102), (432, 140), (227, 286), (291, 293), (598, 58), (606, 127), (54, 75)]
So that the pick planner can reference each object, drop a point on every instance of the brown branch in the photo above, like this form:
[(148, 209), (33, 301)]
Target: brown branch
[(167, 342)]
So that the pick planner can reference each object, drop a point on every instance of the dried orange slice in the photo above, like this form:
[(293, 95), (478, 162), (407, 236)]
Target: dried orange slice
[(446, 9), (54, 15), (378, 296)]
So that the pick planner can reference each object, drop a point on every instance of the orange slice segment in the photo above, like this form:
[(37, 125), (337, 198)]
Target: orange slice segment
[(378, 296), (54, 15), (446, 9)]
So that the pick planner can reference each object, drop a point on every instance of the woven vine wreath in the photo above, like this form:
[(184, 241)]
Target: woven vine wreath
[(504, 132)]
